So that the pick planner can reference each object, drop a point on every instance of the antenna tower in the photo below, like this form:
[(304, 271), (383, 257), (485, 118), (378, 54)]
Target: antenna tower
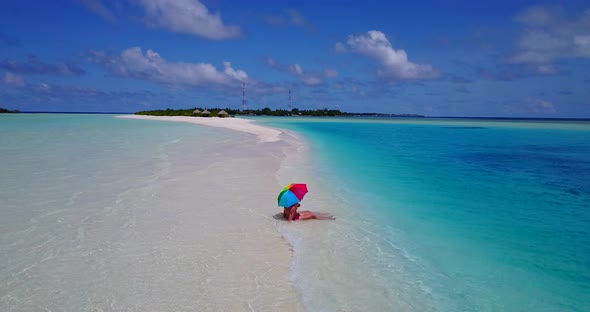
[(243, 96), (289, 99)]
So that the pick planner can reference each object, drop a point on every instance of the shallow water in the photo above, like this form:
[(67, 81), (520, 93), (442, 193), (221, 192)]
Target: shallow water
[(107, 214), (443, 215)]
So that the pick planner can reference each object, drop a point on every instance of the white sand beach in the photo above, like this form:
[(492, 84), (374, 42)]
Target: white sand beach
[(147, 218), (264, 134), (225, 220)]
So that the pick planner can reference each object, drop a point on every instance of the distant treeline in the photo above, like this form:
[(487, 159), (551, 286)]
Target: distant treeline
[(265, 112), (283, 112), (177, 112), (258, 112), (4, 111), (384, 115)]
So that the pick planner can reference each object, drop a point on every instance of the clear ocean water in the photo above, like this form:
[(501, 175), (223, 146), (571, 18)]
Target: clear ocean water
[(432, 214), (99, 213), (444, 214)]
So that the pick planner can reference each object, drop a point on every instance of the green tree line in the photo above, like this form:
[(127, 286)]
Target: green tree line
[(213, 112), (257, 112), (4, 110), (266, 112)]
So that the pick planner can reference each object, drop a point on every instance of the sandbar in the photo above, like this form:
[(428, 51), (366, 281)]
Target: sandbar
[(221, 200), (264, 134)]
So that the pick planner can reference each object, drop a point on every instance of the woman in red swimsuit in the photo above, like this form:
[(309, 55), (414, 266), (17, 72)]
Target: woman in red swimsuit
[(291, 214)]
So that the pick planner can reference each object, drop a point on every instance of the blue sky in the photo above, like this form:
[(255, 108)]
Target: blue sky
[(437, 58)]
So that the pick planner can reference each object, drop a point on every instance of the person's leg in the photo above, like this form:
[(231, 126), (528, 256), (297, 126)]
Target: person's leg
[(306, 215), (324, 216)]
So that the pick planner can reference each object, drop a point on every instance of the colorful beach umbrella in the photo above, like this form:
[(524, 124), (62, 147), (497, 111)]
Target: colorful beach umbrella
[(292, 194)]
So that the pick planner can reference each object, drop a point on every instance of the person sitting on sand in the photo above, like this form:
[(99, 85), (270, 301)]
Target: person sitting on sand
[(291, 214)]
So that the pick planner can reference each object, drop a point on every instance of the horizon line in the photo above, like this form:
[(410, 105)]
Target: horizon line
[(415, 115)]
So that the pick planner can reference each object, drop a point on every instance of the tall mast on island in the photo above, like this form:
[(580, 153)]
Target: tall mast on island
[(243, 96)]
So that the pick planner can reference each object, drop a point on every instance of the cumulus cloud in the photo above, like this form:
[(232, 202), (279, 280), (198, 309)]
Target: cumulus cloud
[(330, 73), (539, 106), (34, 66), (549, 34), (394, 64), (296, 69), (42, 87), (134, 63), (236, 74), (13, 80), (99, 8), (311, 80), (187, 16), (308, 78)]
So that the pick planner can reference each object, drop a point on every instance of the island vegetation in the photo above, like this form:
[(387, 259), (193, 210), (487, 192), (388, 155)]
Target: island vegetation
[(7, 111), (215, 112)]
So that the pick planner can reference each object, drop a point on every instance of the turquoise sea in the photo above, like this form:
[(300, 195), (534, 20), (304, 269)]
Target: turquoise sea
[(445, 214), (432, 214), (99, 213)]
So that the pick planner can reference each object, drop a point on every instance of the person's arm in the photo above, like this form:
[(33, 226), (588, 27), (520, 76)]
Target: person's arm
[(289, 214)]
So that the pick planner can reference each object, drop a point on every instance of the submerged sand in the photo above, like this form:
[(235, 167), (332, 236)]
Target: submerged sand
[(231, 255), (186, 222)]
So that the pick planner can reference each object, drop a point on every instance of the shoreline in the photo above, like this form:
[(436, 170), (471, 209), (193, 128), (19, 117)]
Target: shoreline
[(264, 134), (144, 216), (134, 215), (265, 166)]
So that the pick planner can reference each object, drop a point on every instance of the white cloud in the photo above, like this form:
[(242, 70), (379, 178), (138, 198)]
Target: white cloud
[(551, 34), (308, 78), (99, 8), (133, 63), (296, 18), (394, 63), (236, 74), (187, 16), (296, 69), (41, 87), (582, 45), (330, 73), (311, 80), (13, 80), (546, 69), (539, 106)]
